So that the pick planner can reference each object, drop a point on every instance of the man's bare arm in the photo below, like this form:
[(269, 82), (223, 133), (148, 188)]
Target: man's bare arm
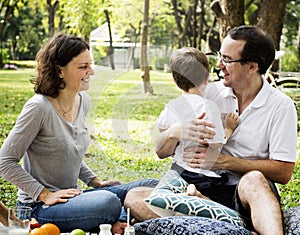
[(277, 171)]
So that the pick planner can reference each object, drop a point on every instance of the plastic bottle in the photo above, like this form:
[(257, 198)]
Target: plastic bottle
[(129, 231), (105, 229)]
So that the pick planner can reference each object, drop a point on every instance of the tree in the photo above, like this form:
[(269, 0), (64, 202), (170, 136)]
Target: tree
[(145, 69), (81, 16), (52, 8), (6, 12), (298, 42), (193, 23), (230, 13), (110, 52), (27, 32)]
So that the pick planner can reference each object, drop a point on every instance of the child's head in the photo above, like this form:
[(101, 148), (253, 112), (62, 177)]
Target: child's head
[(190, 68)]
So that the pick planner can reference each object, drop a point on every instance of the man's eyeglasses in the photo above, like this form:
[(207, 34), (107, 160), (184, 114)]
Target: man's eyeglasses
[(227, 62)]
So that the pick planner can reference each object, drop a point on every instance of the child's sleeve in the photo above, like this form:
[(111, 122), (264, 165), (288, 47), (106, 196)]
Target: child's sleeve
[(166, 118)]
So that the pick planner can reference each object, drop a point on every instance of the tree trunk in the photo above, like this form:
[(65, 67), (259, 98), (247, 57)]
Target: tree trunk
[(51, 16), (110, 50), (229, 14), (298, 42), (271, 18), (145, 69), (135, 40), (178, 21), (200, 33), (272, 23), (195, 28), (10, 6)]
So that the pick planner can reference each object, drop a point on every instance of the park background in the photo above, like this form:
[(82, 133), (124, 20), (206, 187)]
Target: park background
[(131, 42)]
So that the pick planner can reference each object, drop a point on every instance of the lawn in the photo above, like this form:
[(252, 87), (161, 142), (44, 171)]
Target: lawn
[(122, 124)]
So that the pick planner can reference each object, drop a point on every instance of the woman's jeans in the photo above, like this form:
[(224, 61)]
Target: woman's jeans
[(89, 209)]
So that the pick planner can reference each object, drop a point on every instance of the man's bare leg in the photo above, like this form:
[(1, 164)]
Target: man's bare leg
[(135, 201), (3, 214), (256, 195)]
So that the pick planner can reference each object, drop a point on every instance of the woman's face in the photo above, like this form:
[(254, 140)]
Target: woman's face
[(77, 72)]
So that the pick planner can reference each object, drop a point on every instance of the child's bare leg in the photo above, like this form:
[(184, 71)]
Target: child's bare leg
[(192, 191)]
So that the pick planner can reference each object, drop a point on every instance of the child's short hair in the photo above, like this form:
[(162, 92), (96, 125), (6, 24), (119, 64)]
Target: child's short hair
[(190, 67)]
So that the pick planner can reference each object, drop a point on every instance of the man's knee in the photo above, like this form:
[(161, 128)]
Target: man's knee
[(135, 201), (252, 179), (254, 185)]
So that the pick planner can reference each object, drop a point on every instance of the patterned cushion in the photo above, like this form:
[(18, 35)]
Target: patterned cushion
[(292, 221), (188, 225), (168, 199)]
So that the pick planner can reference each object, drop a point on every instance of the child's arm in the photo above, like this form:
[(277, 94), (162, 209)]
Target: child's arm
[(231, 122)]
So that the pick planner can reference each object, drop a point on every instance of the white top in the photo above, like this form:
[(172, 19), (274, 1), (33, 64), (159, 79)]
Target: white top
[(185, 108), (267, 128)]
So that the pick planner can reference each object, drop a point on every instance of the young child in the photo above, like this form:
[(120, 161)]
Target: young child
[(190, 70)]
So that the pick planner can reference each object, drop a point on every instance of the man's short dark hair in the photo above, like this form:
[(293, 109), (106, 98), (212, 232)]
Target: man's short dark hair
[(259, 46)]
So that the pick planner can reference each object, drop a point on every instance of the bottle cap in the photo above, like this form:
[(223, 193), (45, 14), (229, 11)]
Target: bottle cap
[(105, 226)]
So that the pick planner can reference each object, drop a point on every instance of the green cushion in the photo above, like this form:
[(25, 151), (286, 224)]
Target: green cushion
[(169, 199)]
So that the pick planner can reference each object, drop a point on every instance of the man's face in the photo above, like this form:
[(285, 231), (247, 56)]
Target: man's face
[(235, 73)]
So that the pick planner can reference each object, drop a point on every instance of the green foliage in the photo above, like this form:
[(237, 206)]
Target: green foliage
[(289, 61), (99, 53), (290, 192), (292, 17), (5, 55), (8, 193), (23, 63), (80, 17), (157, 62)]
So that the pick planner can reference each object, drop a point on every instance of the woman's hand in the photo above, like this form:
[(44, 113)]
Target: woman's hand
[(96, 183), (118, 228), (60, 196)]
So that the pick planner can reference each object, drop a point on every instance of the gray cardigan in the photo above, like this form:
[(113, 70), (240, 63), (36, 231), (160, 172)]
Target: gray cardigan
[(52, 149)]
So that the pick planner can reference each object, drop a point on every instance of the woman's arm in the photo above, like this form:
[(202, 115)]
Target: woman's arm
[(21, 136)]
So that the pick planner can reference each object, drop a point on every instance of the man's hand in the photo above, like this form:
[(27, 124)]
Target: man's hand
[(204, 158), (196, 130), (61, 196)]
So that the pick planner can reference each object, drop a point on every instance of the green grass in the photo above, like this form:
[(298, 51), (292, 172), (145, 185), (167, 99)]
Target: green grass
[(122, 123)]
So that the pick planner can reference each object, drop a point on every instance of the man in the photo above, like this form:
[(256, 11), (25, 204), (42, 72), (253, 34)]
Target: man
[(262, 150)]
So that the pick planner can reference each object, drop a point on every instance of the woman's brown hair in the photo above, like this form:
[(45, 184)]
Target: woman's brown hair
[(56, 53)]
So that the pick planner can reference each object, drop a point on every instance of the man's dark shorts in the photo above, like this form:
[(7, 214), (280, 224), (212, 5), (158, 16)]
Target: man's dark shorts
[(217, 190)]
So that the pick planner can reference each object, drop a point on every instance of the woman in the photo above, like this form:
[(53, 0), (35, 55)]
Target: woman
[(51, 137)]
